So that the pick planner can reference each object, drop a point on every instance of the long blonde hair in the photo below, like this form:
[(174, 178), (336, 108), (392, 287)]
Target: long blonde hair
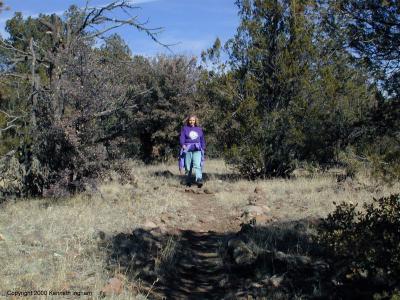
[(196, 120)]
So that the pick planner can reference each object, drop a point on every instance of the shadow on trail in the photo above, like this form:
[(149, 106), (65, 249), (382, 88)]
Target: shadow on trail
[(197, 271), (206, 176), (279, 261), (184, 265)]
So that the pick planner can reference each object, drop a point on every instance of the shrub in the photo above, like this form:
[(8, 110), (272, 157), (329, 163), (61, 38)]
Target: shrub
[(19, 179), (366, 242), (247, 160), (351, 162), (385, 159)]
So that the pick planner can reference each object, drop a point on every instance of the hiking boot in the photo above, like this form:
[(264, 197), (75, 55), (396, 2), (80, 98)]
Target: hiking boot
[(188, 182), (185, 182), (199, 183)]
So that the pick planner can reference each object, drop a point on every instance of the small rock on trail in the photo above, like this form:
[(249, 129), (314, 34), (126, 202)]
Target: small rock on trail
[(114, 286)]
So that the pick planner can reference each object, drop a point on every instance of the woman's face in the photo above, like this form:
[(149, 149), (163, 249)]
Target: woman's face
[(192, 121)]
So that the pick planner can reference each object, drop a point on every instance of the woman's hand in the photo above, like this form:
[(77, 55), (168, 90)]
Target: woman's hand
[(184, 147)]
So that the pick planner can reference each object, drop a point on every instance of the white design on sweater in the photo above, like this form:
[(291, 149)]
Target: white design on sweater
[(193, 135)]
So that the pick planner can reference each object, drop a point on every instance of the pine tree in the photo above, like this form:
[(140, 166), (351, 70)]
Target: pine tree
[(294, 101)]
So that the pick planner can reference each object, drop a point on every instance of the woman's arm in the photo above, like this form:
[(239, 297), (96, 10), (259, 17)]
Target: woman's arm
[(182, 137), (202, 141)]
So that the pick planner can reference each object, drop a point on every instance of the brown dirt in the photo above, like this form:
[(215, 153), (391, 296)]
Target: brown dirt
[(208, 214)]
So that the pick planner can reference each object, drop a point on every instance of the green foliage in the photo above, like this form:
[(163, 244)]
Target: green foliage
[(8, 140), (21, 31), (385, 295), (12, 177), (21, 179), (376, 138), (249, 160), (158, 115), (366, 242), (384, 156), (290, 93), (115, 48), (371, 33), (353, 164)]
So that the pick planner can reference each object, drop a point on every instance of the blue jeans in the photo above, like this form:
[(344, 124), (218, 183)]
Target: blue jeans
[(193, 160)]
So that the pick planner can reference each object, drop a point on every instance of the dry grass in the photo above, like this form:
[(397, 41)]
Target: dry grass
[(53, 245), (293, 199)]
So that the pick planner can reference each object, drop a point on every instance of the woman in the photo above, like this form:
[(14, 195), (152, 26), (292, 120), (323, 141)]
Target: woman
[(193, 147)]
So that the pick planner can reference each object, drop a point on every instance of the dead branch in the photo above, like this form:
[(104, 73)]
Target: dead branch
[(10, 124), (111, 111), (9, 127), (97, 15), (7, 114)]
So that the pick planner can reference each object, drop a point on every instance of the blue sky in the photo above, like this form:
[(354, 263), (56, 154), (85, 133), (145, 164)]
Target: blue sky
[(191, 24)]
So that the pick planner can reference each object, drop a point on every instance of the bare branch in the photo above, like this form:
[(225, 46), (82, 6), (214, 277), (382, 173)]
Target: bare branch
[(97, 16), (111, 111), (15, 75), (9, 115), (10, 124), (9, 127)]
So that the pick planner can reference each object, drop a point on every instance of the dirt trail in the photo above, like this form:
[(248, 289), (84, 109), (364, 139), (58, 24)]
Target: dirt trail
[(208, 213), (199, 273)]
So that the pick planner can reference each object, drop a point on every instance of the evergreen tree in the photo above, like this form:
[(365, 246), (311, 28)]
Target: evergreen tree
[(293, 101), (370, 33)]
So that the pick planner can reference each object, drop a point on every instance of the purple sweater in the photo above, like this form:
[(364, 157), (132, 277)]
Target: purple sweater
[(192, 135)]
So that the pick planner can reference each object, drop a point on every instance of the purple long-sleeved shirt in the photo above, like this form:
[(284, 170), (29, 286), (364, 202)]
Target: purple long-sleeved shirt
[(192, 135)]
